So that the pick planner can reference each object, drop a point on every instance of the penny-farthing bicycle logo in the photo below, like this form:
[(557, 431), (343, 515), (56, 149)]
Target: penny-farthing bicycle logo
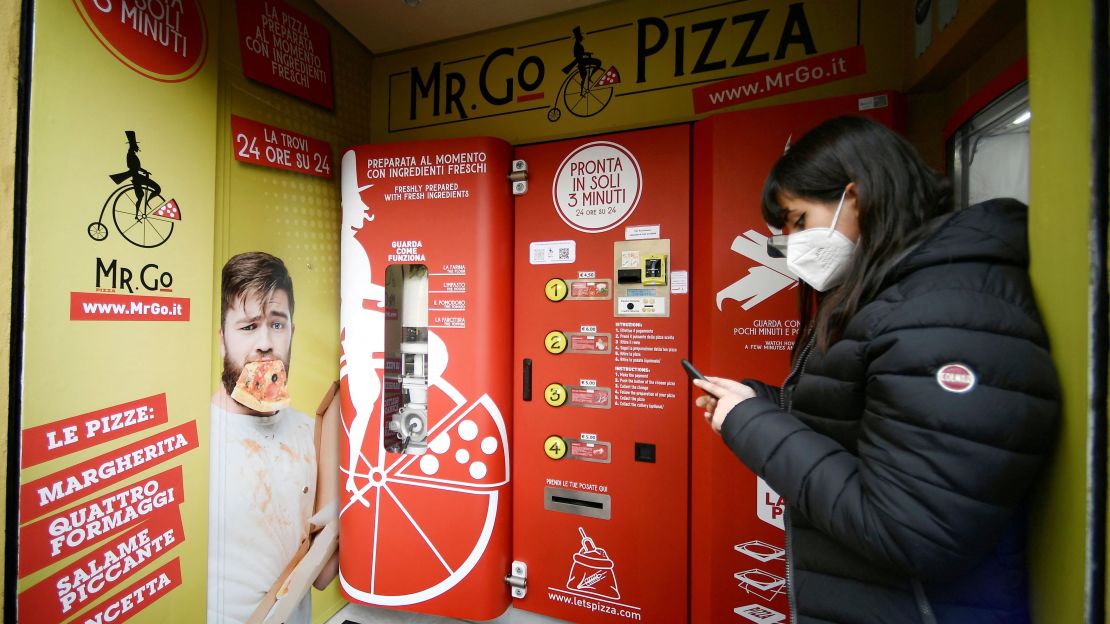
[(138, 210), (587, 89)]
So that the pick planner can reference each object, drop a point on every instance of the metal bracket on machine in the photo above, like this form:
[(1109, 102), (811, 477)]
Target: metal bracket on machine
[(519, 177), (518, 579)]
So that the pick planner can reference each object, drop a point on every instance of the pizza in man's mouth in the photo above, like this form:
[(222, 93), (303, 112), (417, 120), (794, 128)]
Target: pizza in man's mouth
[(261, 386)]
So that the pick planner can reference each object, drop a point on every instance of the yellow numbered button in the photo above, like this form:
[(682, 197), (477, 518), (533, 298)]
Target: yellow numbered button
[(555, 394), (555, 342), (556, 289), (555, 447)]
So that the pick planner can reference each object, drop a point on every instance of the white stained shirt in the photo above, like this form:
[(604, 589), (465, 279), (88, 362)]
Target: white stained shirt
[(262, 487)]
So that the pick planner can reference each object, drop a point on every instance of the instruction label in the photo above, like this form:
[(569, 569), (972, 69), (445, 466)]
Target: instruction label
[(638, 352)]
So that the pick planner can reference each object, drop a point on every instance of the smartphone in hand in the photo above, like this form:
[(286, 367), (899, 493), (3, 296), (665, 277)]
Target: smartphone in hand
[(694, 374), (691, 371)]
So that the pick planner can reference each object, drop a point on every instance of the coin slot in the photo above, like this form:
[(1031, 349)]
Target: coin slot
[(527, 392)]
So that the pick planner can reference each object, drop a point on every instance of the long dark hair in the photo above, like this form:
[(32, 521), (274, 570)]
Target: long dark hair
[(897, 196)]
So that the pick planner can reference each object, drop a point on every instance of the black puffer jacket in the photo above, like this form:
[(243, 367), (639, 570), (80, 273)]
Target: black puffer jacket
[(905, 496)]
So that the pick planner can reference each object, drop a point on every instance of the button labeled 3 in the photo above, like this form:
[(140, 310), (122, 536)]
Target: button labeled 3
[(555, 394)]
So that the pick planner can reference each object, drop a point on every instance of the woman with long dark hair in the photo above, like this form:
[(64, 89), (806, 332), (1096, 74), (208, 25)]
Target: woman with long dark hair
[(922, 399)]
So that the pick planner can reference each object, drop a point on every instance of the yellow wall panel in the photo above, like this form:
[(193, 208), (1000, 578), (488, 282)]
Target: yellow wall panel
[(291, 215), (1059, 203)]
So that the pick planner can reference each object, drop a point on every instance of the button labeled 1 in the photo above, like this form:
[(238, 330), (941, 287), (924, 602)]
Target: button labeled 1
[(555, 394), (555, 289), (555, 342)]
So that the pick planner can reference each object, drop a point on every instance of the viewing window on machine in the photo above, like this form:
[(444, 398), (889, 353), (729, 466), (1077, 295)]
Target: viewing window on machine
[(405, 390)]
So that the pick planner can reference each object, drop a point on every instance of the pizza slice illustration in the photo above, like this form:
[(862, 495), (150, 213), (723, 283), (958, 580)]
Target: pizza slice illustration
[(408, 550)]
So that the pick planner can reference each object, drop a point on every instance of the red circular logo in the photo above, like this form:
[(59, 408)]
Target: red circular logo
[(956, 378), (165, 40)]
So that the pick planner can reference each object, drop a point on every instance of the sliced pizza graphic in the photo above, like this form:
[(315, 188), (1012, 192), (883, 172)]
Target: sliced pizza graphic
[(405, 549), (467, 449), (261, 386), (169, 210)]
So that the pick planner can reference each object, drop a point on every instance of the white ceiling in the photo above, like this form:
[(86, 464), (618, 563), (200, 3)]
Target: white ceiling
[(389, 25)]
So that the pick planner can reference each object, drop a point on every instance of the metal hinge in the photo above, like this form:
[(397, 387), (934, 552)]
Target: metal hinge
[(518, 579), (519, 177)]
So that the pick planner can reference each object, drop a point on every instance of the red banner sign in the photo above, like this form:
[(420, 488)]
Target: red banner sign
[(286, 49), (813, 71), (129, 602), (162, 40), (86, 306), (60, 488), (63, 437), (261, 144), (59, 596), (59, 536)]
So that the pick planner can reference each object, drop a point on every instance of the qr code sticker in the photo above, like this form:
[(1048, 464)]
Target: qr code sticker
[(552, 252)]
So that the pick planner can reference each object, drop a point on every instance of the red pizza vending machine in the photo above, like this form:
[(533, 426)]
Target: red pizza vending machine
[(601, 403), (744, 324), (426, 315)]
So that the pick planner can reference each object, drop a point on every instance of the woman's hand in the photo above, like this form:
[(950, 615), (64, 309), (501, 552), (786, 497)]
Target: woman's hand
[(723, 395)]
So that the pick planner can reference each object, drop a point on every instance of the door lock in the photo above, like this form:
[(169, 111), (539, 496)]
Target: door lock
[(518, 579), (519, 177)]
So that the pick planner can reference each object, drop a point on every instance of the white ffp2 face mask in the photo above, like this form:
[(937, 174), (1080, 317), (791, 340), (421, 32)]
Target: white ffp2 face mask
[(819, 256)]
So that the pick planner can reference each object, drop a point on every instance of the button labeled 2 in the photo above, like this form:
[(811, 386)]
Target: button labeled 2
[(555, 342)]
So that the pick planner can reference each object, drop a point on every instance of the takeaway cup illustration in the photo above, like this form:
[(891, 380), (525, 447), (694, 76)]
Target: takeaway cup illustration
[(592, 571)]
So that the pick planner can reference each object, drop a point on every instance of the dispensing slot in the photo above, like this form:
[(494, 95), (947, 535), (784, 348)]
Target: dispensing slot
[(577, 503), (574, 501)]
